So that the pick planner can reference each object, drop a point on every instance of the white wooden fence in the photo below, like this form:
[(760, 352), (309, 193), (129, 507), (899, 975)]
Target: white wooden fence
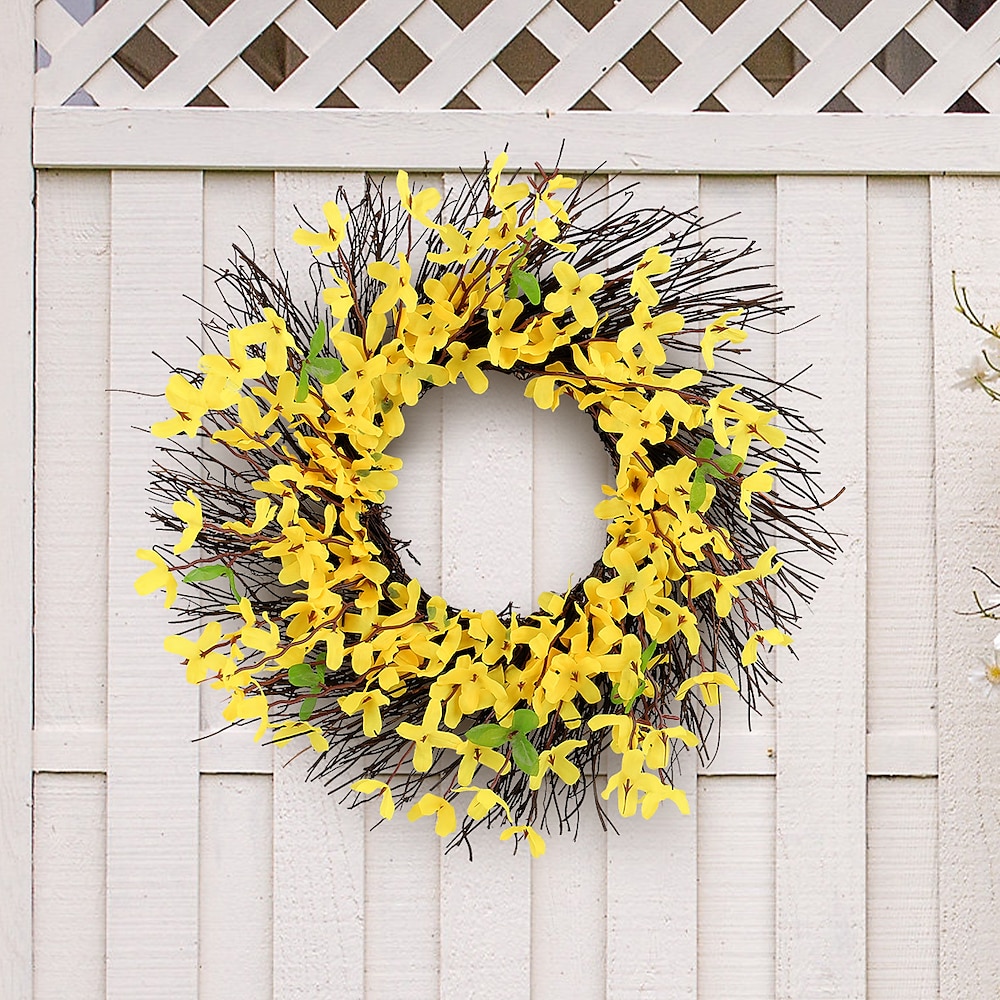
[(846, 847)]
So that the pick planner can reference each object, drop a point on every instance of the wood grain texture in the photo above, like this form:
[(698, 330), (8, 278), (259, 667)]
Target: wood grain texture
[(235, 918), (319, 907), (486, 561), (70, 831), (652, 918), (71, 453), (238, 208), (445, 140), (965, 221), (16, 347), (821, 703), (152, 713), (402, 908), (741, 208), (902, 576), (903, 889), (736, 888)]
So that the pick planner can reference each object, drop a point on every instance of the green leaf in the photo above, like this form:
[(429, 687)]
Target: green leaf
[(524, 720), (647, 657), (525, 755), (698, 492), (705, 449), (523, 281), (200, 574), (728, 463), (305, 675), (303, 389), (306, 709), (327, 370), (318, 341), (488, 735)]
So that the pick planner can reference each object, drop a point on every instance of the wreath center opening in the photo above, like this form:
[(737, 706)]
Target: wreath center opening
[(496, 496)]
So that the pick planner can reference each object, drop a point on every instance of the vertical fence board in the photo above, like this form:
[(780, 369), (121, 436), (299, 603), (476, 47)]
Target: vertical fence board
[(569, 466), (403, 914), (71, 454), (820, 859), (16, 413), (319, 899), (902, 889), (902, 585), (965, 220), (736, 888), (652, 921), (152, 713), (239, 208), (69, 882), (744, 208), (235, 921), (486, 560)]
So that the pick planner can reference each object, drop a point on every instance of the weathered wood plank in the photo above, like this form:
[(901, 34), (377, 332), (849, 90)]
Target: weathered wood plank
[(902, 889), (652, 943), (235, 887), (820, 867), (486, 561), (70, 832), (444, 140), (736, 888), (902, 583), (319, 909), (965, 220), (152, 713), (71, 512), (16, 414)]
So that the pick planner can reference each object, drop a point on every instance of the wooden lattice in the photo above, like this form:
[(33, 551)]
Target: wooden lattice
[(776, 56)]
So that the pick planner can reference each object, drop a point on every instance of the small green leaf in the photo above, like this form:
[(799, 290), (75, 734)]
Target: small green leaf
[(523, 281), (200, 574), (705, 449), (647, 657), (488, 735), (728, 463), (525, 755), (698, 493), (303, 389), (306, 709), (327, 370), (304, 675), (524, 720), (318, 341)]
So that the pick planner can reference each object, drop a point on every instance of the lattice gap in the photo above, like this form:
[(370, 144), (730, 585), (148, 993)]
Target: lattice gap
[(553, 61)]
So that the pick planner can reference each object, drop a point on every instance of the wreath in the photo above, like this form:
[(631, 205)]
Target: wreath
[(297, 602)]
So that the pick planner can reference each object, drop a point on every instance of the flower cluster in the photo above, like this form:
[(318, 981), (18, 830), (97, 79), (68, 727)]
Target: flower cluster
[(308, 620)]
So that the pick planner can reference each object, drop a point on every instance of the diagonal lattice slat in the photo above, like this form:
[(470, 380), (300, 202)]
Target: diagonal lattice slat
[(747, 56)]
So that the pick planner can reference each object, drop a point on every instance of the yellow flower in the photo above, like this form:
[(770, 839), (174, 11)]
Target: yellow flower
[(772, 635), (536, 844), (290, 728), (574, 293), (272, 333), (757, 482), (369, 703), (397, 284), (190, 514), (709, 682), (716, 333), (627, 782), (504, 195), (483, 801), (336, 229), (367, 786), (158, 578), (653, 263), (555, 760), (435, 805), (201, 656), (427, 736), (418, 205)]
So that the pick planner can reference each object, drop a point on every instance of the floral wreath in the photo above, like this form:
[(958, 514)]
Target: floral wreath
[(297, 600)]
